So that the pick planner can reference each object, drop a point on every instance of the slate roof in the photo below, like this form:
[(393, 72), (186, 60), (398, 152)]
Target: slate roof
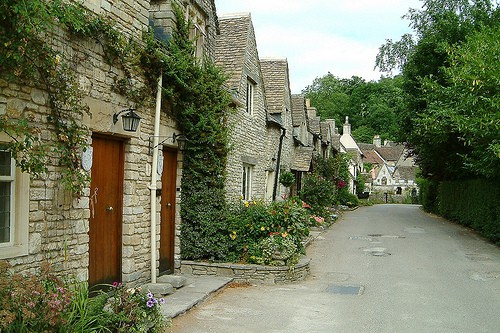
[(231, 45), (303, 157), (275, 77), (298, 109)]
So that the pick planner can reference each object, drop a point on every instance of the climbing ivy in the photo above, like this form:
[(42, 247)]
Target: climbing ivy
[(29, 57), (199, 104)]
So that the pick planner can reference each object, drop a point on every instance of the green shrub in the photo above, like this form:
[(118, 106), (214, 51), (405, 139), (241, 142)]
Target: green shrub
[(318, 192), (287, 178), (473, 203), (344, 197), (252, 222), (428, 195)]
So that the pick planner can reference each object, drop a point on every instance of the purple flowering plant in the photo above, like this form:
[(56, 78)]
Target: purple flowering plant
[(134, 310)]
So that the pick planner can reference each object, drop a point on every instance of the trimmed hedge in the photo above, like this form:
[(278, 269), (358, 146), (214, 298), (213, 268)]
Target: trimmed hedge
[(473, 203)]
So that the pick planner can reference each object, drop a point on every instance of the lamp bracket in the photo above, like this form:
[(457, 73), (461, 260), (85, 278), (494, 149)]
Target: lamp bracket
[(174, 138)]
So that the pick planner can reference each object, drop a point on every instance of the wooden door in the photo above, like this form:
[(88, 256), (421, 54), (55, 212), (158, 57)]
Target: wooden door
[(106, 206), (168, 196)]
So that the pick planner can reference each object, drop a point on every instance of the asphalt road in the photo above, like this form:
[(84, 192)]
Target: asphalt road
[(386, 268)]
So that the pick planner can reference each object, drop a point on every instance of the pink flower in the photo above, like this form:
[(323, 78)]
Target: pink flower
[(305, 205), (318, 219)]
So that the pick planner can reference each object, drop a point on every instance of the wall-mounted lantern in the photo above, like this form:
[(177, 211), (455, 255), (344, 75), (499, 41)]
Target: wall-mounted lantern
[(130, 120)]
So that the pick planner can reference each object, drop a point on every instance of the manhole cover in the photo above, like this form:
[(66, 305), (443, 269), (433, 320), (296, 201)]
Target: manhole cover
[(346, 290)]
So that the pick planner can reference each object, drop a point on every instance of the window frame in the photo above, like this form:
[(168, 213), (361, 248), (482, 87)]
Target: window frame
[(11, 179), (250, 96), (246, 184), (19, 243)]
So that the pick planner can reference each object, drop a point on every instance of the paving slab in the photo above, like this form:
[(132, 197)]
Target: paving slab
[(195, 291)]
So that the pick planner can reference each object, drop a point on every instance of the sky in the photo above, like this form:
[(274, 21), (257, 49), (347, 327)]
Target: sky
[(317, 37)]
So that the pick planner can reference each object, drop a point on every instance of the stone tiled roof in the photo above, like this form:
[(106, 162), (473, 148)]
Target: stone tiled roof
[(390, 153), (336, 141), (370, 156), (303, 157), (275, 76), (231, 44), (314, 125), (298, 109), (366, 147), (407, 172), (325, 131)]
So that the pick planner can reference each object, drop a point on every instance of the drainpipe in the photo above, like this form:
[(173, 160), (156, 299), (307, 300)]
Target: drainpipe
[(278, 161), (154, 173)]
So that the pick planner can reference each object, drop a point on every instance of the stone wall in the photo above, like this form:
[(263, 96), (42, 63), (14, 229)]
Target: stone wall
[(58, 223), (250, 273)]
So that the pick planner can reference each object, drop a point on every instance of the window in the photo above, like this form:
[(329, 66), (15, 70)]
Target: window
[(198, 33), (246, 184), (14, 207), (7, 194), (250, 93)]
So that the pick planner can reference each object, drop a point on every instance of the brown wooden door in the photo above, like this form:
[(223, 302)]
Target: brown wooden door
[(106, 193), (168, 195)]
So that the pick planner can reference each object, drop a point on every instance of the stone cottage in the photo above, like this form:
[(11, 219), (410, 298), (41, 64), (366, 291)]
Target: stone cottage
[(105, 235), (237, 55), (280, 143), (391, 170), (303, 139), (349, 146)]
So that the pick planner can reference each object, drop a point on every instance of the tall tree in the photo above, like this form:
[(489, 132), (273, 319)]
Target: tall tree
[(441, 65)]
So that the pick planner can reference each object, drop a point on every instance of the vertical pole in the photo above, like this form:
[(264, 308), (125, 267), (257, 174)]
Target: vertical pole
[(152, 187)]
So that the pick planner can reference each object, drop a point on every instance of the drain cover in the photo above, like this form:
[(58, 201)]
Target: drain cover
[(345, 290)]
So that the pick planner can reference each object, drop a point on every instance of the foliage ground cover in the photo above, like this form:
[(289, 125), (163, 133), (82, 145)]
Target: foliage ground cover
[(44, 302)]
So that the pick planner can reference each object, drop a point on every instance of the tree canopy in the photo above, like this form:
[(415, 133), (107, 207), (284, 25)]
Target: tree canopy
[(451, 73), (371, 106)]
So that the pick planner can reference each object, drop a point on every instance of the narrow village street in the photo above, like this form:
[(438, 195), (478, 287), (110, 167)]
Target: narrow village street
[(385, 268)]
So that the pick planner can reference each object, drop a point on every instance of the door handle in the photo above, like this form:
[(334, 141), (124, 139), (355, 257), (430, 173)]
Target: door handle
[(109, 209), (168, 204)]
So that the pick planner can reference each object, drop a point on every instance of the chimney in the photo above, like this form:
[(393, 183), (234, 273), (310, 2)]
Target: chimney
[(347, 127), (308, 103), (377, 141)]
